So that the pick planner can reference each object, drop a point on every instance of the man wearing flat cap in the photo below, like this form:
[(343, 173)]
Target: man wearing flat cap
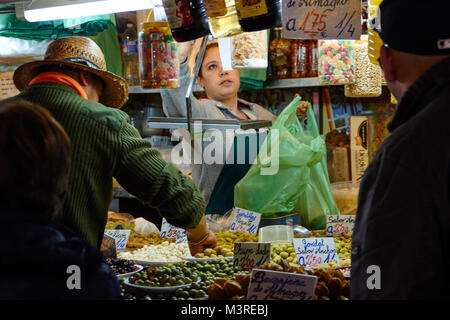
[(73, 84), (401, 239)]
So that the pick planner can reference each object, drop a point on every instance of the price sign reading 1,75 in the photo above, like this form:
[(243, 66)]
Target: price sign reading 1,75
[(311, 19)]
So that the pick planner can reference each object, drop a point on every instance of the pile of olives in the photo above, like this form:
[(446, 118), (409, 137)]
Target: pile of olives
[(197, 274)]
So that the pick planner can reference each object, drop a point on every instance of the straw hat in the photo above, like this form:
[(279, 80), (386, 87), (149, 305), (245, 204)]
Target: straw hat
[(81, 53)]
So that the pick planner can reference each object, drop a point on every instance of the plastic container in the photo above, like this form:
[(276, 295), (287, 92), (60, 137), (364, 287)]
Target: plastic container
[(187, 19), (130, 55), (159, 59), (275, 234), (367, 75), (346, 196), (250, 50), (336, 62)]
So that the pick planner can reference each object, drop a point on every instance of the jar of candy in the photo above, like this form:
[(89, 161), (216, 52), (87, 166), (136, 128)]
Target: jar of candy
[(336, 62), (159, 60)]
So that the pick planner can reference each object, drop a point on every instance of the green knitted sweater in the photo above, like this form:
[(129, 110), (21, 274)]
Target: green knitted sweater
[(105, 145)]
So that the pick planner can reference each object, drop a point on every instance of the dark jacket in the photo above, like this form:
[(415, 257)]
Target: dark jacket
[(35, 260), (403, 220)]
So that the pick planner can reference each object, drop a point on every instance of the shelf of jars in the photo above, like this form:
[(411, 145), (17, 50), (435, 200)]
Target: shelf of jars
[(270, 84)]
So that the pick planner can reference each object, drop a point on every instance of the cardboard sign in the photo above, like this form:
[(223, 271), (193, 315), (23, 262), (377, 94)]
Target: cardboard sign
[(314, 251), (120, 236), (321, 19), (245, 220), (250, 254), (108, 247), (338, 224), (170, 231), (274, 285)]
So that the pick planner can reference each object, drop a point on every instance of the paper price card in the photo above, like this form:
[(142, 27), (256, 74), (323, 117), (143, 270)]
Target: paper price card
[(121, 236), (250, 254), (245, 220), (170, 231), (314, 251), (275, 285), (338, 224), (321, 19)]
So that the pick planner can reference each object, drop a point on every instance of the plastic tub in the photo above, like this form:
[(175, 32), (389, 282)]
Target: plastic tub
[(275, 234), (346, 196)]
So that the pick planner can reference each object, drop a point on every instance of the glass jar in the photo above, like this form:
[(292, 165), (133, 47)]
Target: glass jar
[(313, 59), (159, 60), (299, 58), (280, 56)]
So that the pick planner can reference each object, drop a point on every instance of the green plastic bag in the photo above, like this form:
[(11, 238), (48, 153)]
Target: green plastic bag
[(300, 184)]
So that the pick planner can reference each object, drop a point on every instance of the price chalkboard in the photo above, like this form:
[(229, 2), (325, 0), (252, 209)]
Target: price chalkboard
[(321, 19)]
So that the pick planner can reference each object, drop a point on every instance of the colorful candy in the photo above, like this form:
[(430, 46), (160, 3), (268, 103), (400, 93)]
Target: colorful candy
[(159, 63), (336, 62)]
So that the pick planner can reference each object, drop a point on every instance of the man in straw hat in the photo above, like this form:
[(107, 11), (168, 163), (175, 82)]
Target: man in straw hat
[(73, 84), (401, 238)]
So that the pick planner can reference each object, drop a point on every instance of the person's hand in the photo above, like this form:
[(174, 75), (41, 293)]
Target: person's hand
[(201, 237), (185, 49), (210, 241)]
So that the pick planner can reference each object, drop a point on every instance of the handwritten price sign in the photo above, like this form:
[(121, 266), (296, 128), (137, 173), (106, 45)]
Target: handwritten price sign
[(274, 285), (120, 236), (338, 224), (170, 231), (321, 19), (314, 251), (250, 254), (245, 220)]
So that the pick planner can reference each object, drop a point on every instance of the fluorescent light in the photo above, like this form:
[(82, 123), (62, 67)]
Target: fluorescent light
[(46, 10)]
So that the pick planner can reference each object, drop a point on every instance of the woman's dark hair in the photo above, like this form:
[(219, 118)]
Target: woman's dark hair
[(35, 154)]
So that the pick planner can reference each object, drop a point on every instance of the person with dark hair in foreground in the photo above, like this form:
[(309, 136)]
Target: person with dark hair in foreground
[(401, 238), (38, 258)]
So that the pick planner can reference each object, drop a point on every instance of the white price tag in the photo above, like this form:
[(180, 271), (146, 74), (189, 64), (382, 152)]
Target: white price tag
[(338, 224), (121, 236), (170, 231), (314, 251), (251, 254), (245, 220), (274, 285)]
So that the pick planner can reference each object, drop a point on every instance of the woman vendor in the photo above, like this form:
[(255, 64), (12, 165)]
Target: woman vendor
[(216, 181)]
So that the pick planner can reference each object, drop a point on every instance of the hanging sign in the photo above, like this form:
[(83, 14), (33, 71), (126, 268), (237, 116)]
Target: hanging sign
[(170, 231), (245, 220), (321, 19), (274, 285)]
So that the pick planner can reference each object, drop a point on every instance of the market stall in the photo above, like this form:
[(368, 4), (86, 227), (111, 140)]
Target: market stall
[(277, 59)]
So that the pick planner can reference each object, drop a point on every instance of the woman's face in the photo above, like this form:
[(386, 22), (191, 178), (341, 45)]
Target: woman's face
[(219, 84)]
